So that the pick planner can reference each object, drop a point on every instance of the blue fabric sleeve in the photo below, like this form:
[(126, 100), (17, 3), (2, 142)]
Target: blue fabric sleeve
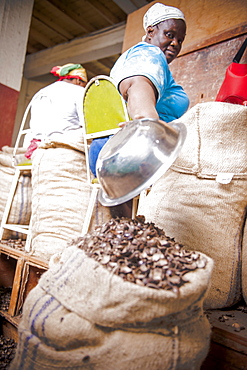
[(143, 60), (148, 60)]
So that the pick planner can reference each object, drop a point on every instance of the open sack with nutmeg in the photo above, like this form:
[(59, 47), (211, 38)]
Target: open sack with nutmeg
[(123, 297)]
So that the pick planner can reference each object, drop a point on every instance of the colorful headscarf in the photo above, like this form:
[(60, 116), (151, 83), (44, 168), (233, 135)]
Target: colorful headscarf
[(159, 13), (70, 71)]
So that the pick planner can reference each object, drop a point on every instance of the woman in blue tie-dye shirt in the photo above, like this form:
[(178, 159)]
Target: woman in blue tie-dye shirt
[(142, 73)]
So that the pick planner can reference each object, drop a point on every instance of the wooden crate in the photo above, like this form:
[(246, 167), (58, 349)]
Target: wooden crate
[(20, 272), (228, 348)]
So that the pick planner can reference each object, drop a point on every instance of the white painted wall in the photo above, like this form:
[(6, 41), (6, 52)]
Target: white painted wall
[(15, 18)]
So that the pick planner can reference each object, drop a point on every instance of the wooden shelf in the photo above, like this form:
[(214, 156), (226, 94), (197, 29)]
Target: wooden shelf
[(225, 332), (16, 253), (19, 271), (228, 348), (14, 320)]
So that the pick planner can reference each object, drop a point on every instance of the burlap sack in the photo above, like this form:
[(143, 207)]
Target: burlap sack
[(201, 200), (244, 262), (60, 196), (21, 207), (81, 316)]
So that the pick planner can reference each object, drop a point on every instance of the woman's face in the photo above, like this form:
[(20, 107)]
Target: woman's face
[(168, 36)]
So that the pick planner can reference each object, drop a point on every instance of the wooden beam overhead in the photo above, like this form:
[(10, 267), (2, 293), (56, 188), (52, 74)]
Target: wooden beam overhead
[(103, 11), (41, 39), (108, 62), (78, 18), (52, 25), (96, 69), (31, 49), (50, 31), (67, 16), (85, 49), (126, 5), (129, 6)]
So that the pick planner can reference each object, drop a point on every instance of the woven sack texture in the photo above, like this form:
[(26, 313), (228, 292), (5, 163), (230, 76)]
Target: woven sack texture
[(81, 316), (60, 196), (244, 262), (201, 200), (21, 207)]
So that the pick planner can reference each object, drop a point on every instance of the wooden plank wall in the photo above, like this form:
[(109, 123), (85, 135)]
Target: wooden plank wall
[(202, 72), (208, 22), (215, 31)]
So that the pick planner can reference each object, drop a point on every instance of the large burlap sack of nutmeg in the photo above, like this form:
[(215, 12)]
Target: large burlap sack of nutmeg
[(202, 199), (124, 297), (20, 211), (60, 195)]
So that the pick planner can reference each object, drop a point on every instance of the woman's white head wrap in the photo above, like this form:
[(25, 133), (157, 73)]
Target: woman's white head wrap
[(159, 13)]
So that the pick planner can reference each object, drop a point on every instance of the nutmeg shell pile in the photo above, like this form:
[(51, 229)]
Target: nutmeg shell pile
[(141, 253)]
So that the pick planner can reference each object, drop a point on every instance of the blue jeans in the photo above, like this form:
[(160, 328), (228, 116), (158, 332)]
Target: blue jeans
[(94, 149)]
